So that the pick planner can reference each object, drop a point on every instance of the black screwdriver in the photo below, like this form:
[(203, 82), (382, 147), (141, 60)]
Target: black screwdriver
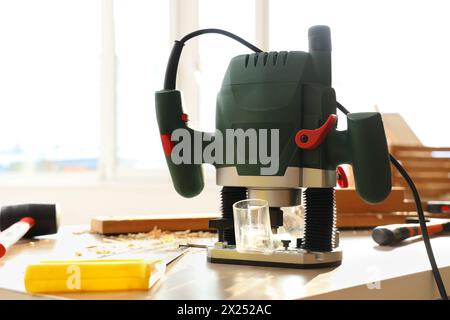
[(394, 233)]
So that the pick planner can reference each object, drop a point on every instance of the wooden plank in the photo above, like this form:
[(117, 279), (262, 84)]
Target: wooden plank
[(371, 220), (136, 224), (410, 159), (398, 132), (425, 166), (368, 220), (348, 201), (351, 211), (428, 194), (430, 173), (433, 187), (431, 180), (397, 148)]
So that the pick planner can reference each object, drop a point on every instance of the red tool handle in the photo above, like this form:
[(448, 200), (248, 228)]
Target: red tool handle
[(391, 234), (14, 233)]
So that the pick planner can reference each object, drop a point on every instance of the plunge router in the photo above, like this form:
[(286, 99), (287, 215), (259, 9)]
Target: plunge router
[(289, 92)]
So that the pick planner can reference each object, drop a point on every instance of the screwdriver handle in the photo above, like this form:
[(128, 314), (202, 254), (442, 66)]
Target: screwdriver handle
[(391, 234)]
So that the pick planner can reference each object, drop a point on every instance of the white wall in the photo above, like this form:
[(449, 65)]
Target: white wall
[(80, 202)]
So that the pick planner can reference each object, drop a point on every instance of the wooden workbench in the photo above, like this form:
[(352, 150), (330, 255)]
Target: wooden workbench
[(367, 272)]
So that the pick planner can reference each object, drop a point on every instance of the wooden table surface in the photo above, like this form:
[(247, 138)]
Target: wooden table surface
[(367, 272)]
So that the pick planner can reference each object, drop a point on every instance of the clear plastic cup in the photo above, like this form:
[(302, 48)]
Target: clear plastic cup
[(252, 226)]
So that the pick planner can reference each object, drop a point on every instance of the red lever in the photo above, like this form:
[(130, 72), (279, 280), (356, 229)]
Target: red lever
[(342, 179), (311, 139)]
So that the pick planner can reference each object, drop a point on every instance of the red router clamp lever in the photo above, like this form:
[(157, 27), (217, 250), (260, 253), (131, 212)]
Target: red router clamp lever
[(311, 139)]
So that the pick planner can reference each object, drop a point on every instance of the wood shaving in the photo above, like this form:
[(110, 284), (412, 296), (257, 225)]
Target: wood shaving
[(155, 239), (87, 231)]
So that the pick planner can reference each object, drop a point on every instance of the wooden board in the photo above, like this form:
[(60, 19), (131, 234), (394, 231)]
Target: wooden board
[(353, 212), (348, 201), (370, 220), (398, 131), (350, 209), (136, 224), (428, 167)]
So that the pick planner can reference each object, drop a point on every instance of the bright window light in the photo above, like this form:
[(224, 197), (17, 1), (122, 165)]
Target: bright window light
[(49, 85), (143, 45), (389, 54), (216, 51)]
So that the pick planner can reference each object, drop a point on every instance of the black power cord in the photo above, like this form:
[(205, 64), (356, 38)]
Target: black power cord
[(170, 83), (174, 58), (422, 221)]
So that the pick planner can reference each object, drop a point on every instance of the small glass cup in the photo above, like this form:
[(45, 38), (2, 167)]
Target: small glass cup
[(252, 226)]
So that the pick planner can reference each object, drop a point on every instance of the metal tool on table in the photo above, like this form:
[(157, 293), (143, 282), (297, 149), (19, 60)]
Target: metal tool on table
[(438, 206), (288, 94), (393, 234)]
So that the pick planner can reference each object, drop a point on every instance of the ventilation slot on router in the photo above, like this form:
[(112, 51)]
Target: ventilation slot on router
[(266, 55), (247, 57), (256, 56)]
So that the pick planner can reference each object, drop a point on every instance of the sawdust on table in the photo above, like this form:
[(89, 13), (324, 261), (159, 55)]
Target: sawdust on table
[(155, 240)]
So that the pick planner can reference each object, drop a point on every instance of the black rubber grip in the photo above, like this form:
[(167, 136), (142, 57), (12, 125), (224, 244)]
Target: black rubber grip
[(44, 215)]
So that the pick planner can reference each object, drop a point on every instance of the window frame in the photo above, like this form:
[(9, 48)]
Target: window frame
[(184, 18)]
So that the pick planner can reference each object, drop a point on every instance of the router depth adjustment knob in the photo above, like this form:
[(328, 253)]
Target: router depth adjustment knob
[(286, 244)]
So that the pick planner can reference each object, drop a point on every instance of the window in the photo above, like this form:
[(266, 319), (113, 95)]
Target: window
[(143, 43), (215, 51), (142, 30), (56, 55), (389, 54), (49, 80)]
